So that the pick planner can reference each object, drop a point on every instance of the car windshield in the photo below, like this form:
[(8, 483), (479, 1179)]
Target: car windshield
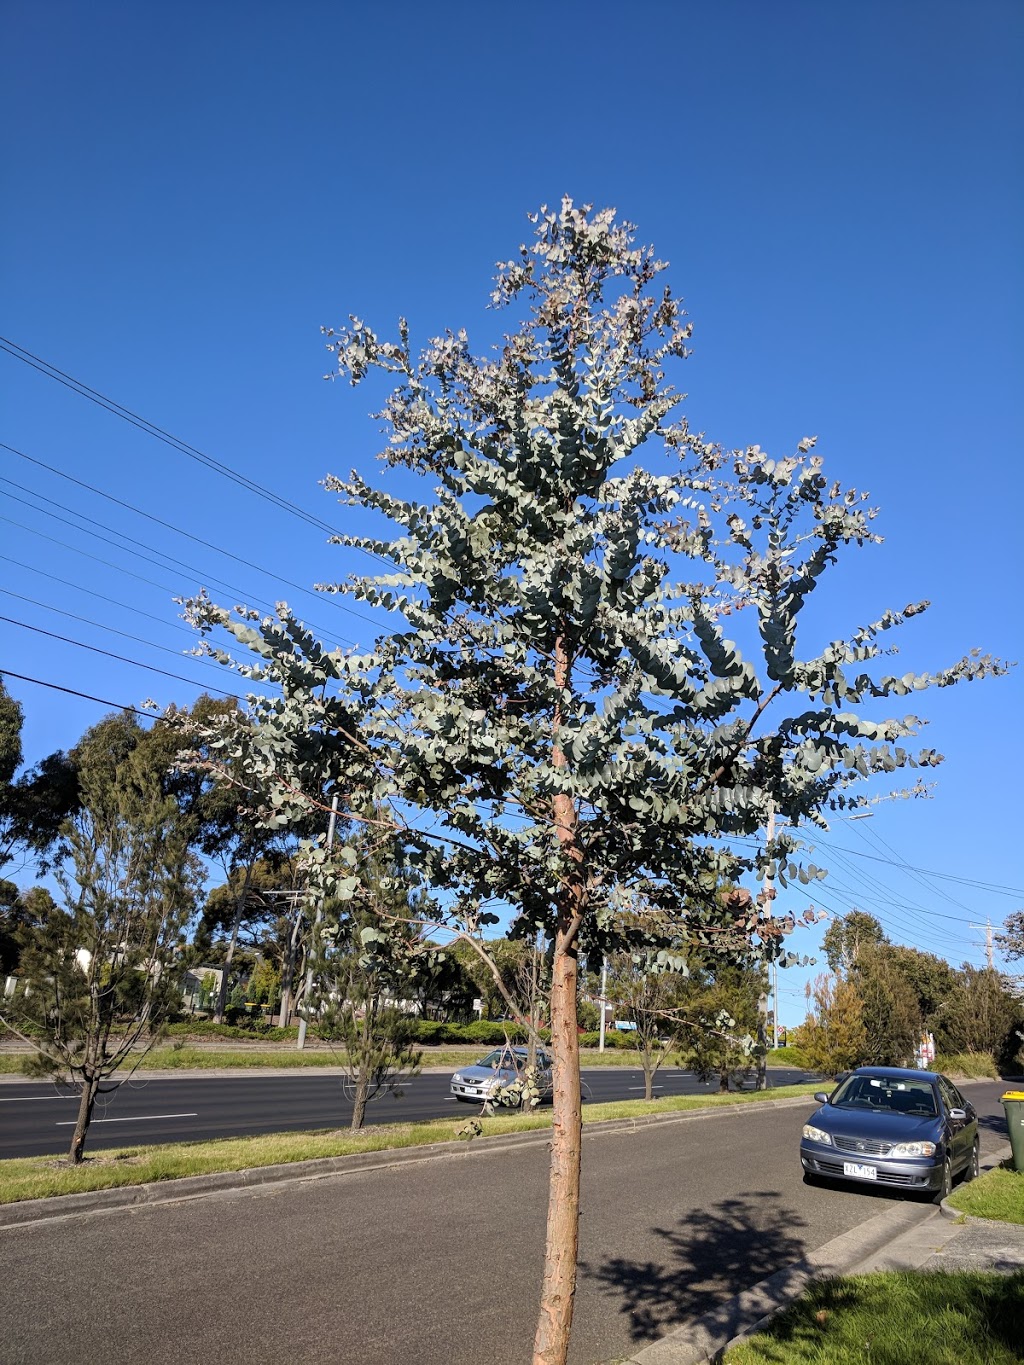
[(503, 1058), (886, 1094)]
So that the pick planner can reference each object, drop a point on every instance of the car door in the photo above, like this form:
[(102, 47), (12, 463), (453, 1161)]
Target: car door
[(960, 1128)]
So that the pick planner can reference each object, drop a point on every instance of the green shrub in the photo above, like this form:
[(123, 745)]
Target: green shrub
[(612, 1038), (973, 1065)]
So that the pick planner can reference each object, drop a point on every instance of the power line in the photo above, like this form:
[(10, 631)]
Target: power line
[(151, 429), (73, 692), (121, 658), (98, 625), (177, 530)]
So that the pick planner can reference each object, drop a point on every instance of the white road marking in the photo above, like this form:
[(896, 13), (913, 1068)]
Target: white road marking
[(641, 1087), (133, 1118), (27, 1099)]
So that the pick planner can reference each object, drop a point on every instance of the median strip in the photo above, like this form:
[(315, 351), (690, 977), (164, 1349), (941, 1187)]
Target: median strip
[(169, 1171)]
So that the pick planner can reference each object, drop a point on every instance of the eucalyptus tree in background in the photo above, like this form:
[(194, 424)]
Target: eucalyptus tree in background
[(99, 976), (560, 711)]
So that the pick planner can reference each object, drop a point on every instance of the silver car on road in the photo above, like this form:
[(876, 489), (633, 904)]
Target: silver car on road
[(504, 1066)]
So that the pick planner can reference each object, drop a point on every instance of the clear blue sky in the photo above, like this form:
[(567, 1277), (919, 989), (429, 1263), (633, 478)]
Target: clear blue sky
[(192, 190)]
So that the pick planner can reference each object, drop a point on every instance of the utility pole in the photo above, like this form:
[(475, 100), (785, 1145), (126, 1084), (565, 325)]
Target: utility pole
[(762, 999), (331, 826), (989, 952), (604, 1006)]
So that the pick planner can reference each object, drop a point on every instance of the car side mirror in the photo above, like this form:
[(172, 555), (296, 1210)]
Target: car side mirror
[(958, 1114), (821, 1097)]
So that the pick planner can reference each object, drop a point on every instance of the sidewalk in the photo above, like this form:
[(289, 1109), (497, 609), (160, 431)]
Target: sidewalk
[(894, 1240)]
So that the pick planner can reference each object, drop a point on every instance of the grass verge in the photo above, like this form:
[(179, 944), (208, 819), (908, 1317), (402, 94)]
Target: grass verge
[(941, 1318), (41, 1177), (249, 1057), (998, 1194)]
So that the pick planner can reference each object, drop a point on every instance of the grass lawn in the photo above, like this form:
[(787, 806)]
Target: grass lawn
[(895, 1319), (38, 1177), (248, 1055), (998, 1194)]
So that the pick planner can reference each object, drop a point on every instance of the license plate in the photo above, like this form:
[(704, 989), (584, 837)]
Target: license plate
[(861, 1172)]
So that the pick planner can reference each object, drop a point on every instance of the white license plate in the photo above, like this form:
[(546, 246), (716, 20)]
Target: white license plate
[(861, 1172)]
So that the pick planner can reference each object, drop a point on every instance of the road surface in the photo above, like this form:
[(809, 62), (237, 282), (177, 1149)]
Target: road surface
[(37, 1118), (435, 1262)]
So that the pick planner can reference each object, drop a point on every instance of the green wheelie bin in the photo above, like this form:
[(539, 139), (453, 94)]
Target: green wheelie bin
[(1013, 1105)]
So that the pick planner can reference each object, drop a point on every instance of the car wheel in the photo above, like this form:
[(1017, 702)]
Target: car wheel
[(974, 1165), (947, 1182)]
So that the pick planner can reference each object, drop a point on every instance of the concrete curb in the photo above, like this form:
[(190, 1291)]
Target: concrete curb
[(29, 1211), (896, 1238)]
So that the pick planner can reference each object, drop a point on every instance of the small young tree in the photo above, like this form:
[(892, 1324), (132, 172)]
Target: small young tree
[(101, 975), (362, 976), (650, 1000), (560, 700), (720, 1022)]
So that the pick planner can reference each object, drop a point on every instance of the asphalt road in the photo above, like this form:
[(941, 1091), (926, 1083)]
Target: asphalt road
[(37, 1119), (435, 1262)]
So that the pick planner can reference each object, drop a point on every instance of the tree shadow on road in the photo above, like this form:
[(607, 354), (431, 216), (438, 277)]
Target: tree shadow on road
[(711, 1255)]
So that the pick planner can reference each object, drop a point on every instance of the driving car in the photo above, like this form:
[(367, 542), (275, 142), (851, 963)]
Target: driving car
[(474, 1084), (892, 1126)]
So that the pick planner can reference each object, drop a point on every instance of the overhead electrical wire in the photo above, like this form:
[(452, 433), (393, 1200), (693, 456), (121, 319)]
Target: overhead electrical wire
[(113, 630), (176, 443), (121, 658), (177, 530), (120, 541), (74, 692)]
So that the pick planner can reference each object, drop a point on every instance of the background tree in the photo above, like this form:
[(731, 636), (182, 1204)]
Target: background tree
[(361, 976), (34, 806), (891, 1014), (847, 936), (833, 1037), (1012, 941), (719, 1024), (981, 1015), (101, 975), (561, 701), (647, 998)]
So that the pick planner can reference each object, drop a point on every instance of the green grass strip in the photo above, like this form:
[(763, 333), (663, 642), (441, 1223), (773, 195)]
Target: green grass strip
[(891, 1319), (998, 1194), (41, 1177)]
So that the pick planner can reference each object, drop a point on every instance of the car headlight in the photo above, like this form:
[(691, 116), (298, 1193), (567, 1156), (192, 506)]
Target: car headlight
[(817, 1135), (913, 1149), (457, 1079)]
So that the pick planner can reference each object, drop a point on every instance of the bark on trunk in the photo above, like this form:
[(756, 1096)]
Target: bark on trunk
[(85, 1108), (648, 1085), (359, 1103), (551, 1343), (723, 1082)]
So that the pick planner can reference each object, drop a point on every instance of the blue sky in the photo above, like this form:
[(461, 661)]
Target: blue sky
[(193, 190)]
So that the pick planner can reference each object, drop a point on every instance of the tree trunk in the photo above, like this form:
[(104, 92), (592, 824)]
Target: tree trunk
[(222, 994), (723, 1081), (359, 1103), (85, 1108), (648, 1083), (558, 1290), (551, 1343)]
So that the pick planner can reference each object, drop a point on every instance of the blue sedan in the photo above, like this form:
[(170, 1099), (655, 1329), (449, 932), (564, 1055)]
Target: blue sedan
[(883, 1125)]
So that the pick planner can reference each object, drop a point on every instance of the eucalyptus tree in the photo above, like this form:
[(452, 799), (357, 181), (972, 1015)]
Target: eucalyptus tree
[(559, 711), (99, 975)]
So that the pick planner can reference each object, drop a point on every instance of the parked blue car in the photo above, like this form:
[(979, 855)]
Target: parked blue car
[(884, 1125)]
